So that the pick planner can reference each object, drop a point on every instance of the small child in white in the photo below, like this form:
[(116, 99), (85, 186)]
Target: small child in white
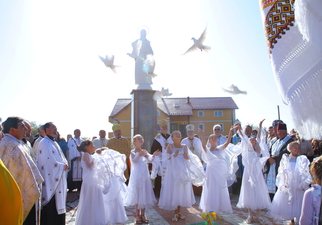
[(292, 180), (140, 192)]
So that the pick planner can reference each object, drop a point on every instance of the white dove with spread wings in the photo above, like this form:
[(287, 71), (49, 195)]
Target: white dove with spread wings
[(158, 95), (198, 44), (232, 89), (109, 62), (148, 65)]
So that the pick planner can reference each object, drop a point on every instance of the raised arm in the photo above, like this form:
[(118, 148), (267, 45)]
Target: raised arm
[(203, 140), (135, 157), (88, 160), (230, 135), (259, 129)]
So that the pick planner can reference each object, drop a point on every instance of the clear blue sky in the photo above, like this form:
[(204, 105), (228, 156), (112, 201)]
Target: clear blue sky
[(50, 70)]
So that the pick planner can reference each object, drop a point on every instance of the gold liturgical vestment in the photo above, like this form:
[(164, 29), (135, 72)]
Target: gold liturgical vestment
[(11, 200)]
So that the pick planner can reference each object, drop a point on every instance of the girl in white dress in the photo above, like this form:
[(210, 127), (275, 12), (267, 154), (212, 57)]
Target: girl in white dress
[(96, 183), (292, 180), (254, 193), (310, 213), (184, 169), (140, 191), (220, 173)]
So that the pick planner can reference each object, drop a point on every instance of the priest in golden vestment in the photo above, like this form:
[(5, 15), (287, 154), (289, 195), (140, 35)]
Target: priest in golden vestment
[(21, 166), (11, 200)]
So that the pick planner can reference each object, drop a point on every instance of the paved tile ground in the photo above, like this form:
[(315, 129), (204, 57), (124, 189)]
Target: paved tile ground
[(157, 216)]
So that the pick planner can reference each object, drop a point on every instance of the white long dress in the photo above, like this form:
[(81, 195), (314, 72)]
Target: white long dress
[(140, 189), (293, 180), (254, 192), (181, 174), (91, 207), (220, 174), (114, 200)]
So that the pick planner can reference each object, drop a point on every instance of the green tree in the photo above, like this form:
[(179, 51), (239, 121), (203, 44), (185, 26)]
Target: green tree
[(34, 127)]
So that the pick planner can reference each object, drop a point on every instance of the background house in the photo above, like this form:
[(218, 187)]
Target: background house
[(202, 112)]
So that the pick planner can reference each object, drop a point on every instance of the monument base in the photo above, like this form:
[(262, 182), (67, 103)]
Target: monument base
[(144, 116), (144, 87)]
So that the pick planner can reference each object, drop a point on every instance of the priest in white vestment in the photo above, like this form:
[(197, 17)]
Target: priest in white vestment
[(193, 143), (75, 173), (52, 165), (101, 141)]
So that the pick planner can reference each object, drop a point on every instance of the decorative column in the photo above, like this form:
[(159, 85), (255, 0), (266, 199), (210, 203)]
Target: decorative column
[(144, 116)]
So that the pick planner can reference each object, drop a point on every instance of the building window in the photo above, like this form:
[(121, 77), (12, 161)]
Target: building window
[(158, 113), (201, 126), (218, 113), (200, 113), (173, 127)]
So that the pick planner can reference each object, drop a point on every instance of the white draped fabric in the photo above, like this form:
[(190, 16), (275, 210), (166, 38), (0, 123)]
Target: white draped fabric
[(114, 200), (254, 192), (293, 33), (181, 174), (140, 189), (103, 189), (220, 174), (292, 180), (96, 183)]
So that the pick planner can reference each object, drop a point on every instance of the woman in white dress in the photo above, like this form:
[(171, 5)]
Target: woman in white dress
[(184, 168), (140, 191), (254, 193), (220, 173), (96, 183), (292, 180), (310, 213)]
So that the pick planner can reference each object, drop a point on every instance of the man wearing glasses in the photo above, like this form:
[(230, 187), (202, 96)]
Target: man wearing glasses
[(217, 131)]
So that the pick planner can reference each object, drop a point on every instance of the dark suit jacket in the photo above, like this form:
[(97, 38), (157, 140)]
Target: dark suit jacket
[(278, 158)]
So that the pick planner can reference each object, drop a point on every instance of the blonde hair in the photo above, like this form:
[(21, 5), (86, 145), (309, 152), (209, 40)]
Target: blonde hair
[(176, 131), (290, 145), (135, 136), (134, 139), (213, 135)]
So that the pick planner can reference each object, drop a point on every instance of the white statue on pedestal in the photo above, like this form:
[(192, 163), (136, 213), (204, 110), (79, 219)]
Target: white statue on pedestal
[(144, 62)]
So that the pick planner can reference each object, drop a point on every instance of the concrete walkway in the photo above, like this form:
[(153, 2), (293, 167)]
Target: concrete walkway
[(157, 216)]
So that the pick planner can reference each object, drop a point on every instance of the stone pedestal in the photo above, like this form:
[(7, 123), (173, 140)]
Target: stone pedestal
[(144, 116)]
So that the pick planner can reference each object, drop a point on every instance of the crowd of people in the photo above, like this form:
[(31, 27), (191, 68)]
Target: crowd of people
[(275, 170)]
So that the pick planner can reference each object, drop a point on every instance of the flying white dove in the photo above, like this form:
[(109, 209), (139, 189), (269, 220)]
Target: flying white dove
[(197, 44), (165, 92), (148, 65), (158, 95), (109, 62), (232, 89)]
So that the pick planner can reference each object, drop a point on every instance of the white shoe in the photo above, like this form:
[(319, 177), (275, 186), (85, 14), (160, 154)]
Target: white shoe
[(180, 216), (175, 218), (249, 219)]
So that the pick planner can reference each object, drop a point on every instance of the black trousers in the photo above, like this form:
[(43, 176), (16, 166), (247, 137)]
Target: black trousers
[(31, 218), (49, 215)]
